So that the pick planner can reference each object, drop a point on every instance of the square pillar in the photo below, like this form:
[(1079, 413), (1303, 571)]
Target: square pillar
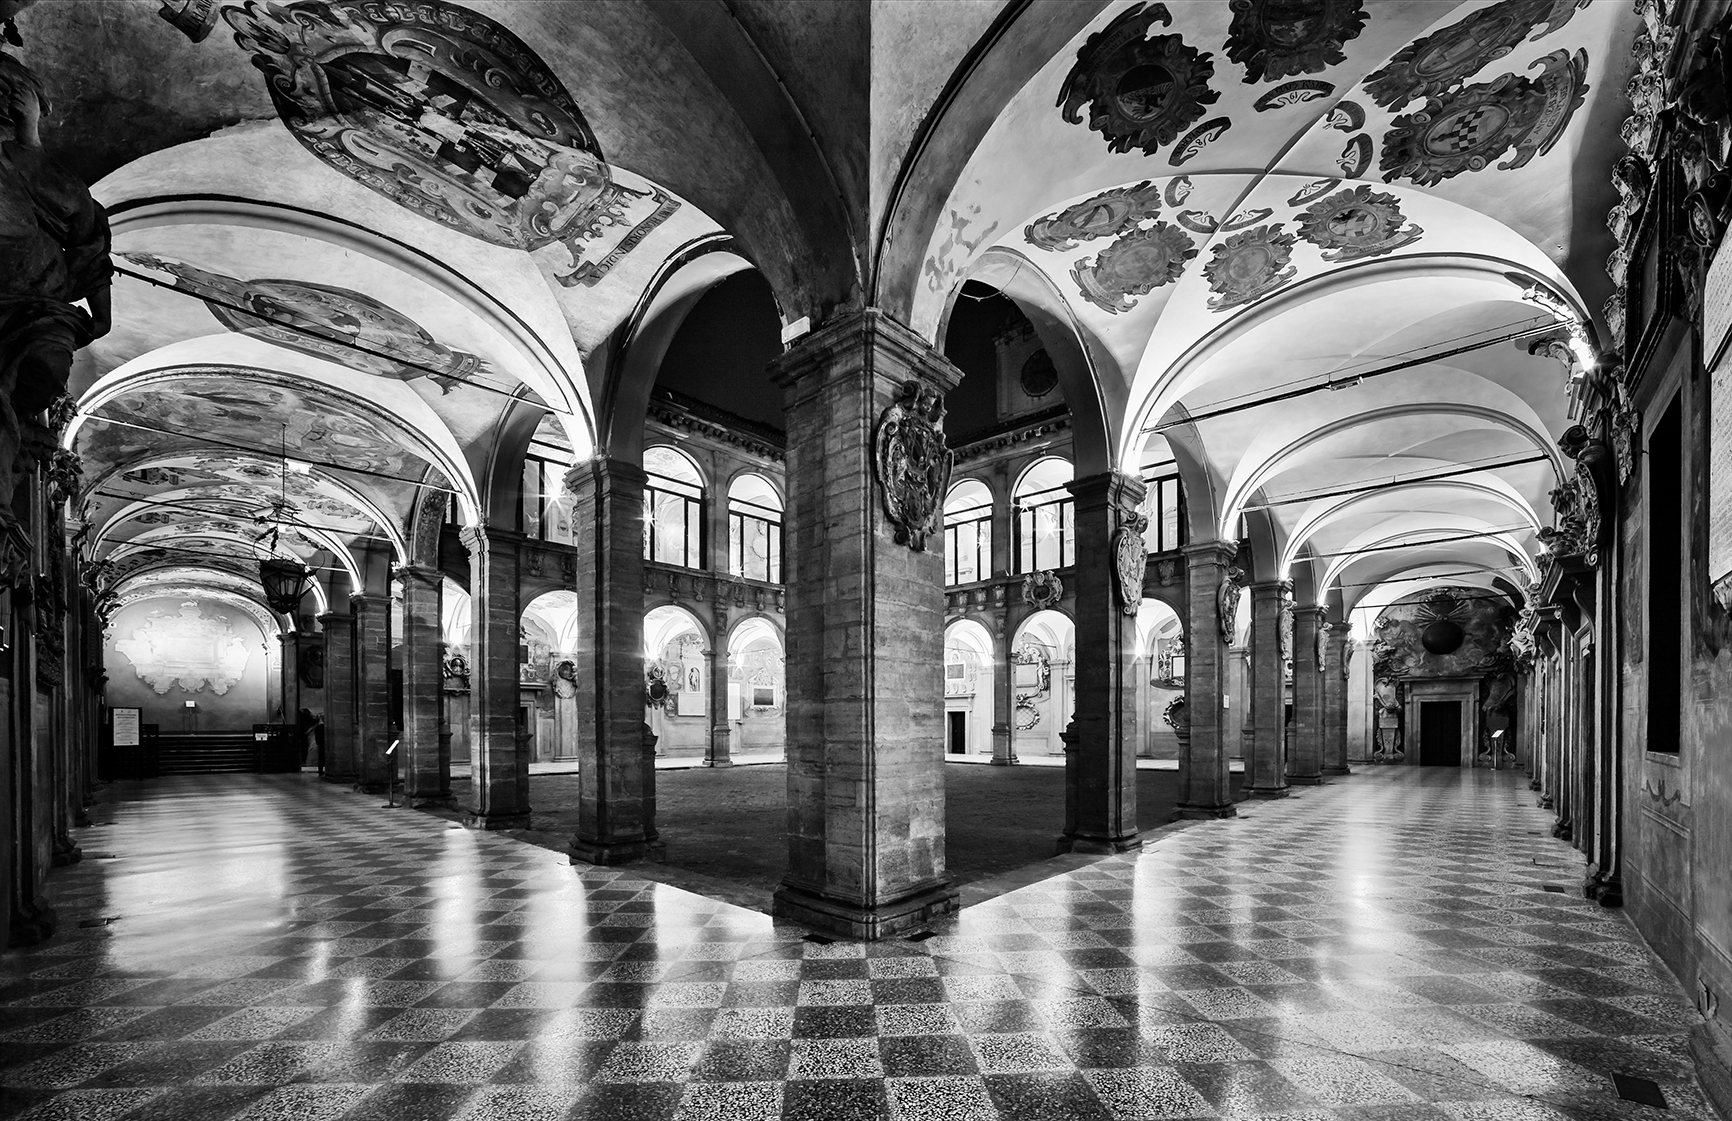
[(1335, 670), (1105, 762), (372, 615), (425, 753), (341, 758), (865, 629), (616, 776), (1205, 789), (499, 759), (1305, 757), (1266, 765), (721, 749)]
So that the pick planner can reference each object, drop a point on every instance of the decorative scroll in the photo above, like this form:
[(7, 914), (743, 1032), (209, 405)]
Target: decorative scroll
[(1131, 559), (913, 463), (1042, 589), (1178, 714)]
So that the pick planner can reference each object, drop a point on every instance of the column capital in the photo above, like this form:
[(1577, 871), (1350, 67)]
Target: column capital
[(328, 619), (421, 573), (1109, 488), (603, 473), (875, 332), (1223, 553), (360, 602), (1315, 611), (1265, 589)]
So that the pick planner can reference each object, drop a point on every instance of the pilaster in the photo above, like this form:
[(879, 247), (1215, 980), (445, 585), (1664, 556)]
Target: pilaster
[(1205, 789), (1335, 699), (426, 754), (499, 763), (1305, 759), (1266, 765)]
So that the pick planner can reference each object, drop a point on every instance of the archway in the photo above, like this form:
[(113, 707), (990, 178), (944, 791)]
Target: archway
[(969, 678), (757, 692), (548, 676), (455, 623), (1160, 670), (677, 681), (1042, 680)]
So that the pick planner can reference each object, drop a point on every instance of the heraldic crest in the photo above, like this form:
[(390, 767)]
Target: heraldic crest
[(913, 463), (1131, 559)]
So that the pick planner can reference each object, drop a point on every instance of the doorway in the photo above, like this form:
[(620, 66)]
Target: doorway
[(957, 741), (1440, 734)]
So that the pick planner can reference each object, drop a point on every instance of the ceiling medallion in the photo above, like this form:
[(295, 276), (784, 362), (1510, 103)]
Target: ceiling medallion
[(1199, 138), (1438, 62), (1468, 129), (1111, 212), (1276, 39), (1250, 265), (1355, 157), (913, 463), (323, 321), (1141, 91), (1245, 218), (1134, 265), (1357, 223), (1345, 116), (447, 113), (1293, 93), (1312, 190)]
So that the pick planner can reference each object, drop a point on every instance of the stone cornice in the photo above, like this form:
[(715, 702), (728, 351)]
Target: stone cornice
[(687, 415), (976, 445)]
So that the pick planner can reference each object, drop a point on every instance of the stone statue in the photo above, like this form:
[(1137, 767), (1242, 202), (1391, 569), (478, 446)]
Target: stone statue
[(54, 242)]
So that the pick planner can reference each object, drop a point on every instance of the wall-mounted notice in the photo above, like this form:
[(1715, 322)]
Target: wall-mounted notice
[(126, 726)]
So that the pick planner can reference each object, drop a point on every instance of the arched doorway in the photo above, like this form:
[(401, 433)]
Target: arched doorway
[(455, 623), (1042, 680), (548, 676), (757, 694), (968, 688), (677, 681), (1160, 670)]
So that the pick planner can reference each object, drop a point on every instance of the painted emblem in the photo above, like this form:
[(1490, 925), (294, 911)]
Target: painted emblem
[(1355, 157), (1246, 218), (1142, 91), (1106, 214), (1134, 265), (1345, 116), (1227, 593), (1197, 139), (1042, 589), (447, 113), (1293, 93), (1178, 189), (1437, 63), (1198, 222), (1275, 39), (1312, 190), (340, 325), (1468, 129), (1131, 559), (913, 463), (1249, 265), (1356, 223)]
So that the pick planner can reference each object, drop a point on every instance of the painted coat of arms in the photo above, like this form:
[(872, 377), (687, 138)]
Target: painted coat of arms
[(447, 113), (913, 463), (1468, 129), (1131, 559), (1142, 91), (1108, 213), (1134, 265), (1439, 62), (1275, 39), (1357, 223), (1250, 265)]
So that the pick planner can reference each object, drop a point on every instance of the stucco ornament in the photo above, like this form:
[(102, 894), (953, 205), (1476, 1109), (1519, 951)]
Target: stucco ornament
[(1142, 91), (1467, 129), (1626, 434), (1286, 630), (1104, 215), (1134, 265), (189, 649), (1227, 595), (446, 112), (913, 463), (1131, 559), (1357, 223), (1441, 61), (1275, 39), (1177, 714), (1250, 265), (1042, 589)]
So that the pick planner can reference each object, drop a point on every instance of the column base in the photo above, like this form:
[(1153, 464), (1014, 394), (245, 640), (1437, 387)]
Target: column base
[(65, 852), (848, 919), (1205, 813), (1333, 772), (1305, 780), (1534, 784), (1608, 890), (338, 780), (1004, 761), (617, 852), (372, 787), (493, 823), (1562, 831), (1545, 802), (430, 802), (718, 762), (32, 924), (1712, 1056), (1266, 792), (1104, 846)]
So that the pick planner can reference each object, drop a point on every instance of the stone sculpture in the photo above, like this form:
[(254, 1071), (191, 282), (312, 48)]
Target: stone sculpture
[(913, 463)]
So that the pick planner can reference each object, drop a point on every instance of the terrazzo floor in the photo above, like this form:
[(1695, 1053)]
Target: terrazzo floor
[(1382, 947)]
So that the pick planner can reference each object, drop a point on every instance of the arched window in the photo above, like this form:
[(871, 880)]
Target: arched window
[(754, 529), (673, 509), (968, 533), (545, 509), (1045, 517), (1163, 503)]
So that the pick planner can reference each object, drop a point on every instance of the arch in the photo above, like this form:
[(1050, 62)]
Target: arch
[(456, 616), (663, 624), (1493, 489), (1362, 549), (747, 485), (672, 463), (558, 612)]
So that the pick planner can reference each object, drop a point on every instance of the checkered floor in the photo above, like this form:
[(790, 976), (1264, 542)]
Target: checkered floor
[(1382, 947)]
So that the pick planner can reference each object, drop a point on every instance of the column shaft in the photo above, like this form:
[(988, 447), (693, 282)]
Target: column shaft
[(1204, 781), (426, 754), (499, 761), (865, 632), (341, 762), (372, 691), (1335, 700), (721, 751), (1305, 760), (1266, 766)]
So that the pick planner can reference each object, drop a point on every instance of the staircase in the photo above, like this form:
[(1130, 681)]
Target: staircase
[(210, 753)]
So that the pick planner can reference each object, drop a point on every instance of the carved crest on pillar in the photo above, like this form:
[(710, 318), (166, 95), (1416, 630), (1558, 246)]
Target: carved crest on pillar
[(913, 463), (1227, 595), (1042, 589), (1177, 714), (1131, 559), (1286, 631)]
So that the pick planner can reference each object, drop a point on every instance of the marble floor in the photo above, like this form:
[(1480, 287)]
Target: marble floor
[(1388, 946)]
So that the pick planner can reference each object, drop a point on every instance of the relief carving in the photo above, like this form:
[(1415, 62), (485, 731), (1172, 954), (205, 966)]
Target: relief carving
[(1131, 559), (913, 463)]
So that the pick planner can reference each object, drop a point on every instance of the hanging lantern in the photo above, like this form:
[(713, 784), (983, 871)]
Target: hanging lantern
[(285, 582)]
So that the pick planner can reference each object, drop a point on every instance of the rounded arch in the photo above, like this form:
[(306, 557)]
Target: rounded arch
[(750, 630), (456, 618), (1491, 489), (671, 462), (663, 624), (557, 612), (750, 486)]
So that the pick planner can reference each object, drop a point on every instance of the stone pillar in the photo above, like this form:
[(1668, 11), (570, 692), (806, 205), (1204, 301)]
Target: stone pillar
[(289, 669), (616, 783), (426, 755), (865, 636), (1106, 687), (1265, 766), (721, 749), (1204, 782), (1305, 759), (499, 759), (341, 760), (372, 615), (1335, 700)]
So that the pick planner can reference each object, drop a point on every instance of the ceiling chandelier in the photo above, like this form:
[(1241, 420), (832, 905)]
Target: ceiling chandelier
[(284, 579)]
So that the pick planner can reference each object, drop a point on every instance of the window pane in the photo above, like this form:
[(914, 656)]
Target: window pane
[(529, 509)]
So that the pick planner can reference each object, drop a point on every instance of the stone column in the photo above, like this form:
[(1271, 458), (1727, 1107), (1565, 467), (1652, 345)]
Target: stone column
[(426, 755), (372, 614), (289, 669), (721, 750), (499, 759), (341, 759), (1204, 782), (1305, 760), (1265, 766), (865, 634), (1003, 693), (1106, 687), (1335, 700), (616, 783)]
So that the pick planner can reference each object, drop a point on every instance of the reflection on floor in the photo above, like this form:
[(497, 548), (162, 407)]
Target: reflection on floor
[(1383, 947)]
